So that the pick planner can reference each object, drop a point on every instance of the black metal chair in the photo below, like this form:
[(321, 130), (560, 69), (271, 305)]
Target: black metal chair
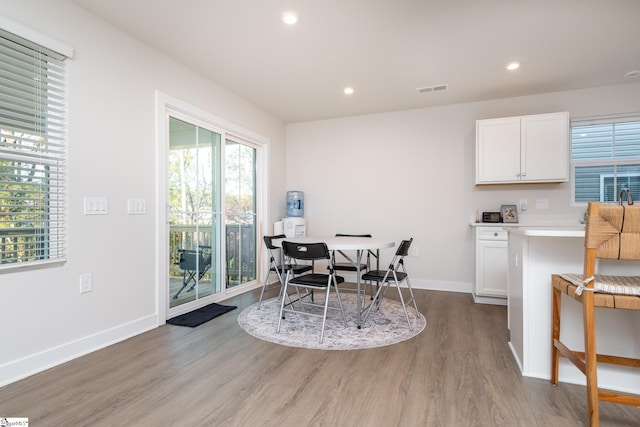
[(311, 281), (396, 273), (348, 265), (276, 267), (342, 262), (193, 263)]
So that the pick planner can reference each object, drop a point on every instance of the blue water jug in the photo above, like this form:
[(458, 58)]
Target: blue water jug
[(295, 203)]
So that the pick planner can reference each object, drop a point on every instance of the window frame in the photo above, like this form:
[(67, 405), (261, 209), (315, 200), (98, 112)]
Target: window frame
[(613, 162), (31, 144)]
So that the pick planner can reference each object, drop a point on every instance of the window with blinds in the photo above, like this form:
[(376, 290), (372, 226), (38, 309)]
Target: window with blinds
[(32, 153), (605, 157)]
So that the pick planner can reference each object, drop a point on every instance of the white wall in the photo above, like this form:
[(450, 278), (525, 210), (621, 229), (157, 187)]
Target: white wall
[(412, 174), (112, 82)]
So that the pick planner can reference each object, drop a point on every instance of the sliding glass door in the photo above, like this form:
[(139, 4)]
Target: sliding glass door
[(240, 212), (195, 216), (212, 204)]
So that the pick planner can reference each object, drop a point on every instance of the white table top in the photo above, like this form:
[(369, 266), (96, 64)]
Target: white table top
[(342, 243)]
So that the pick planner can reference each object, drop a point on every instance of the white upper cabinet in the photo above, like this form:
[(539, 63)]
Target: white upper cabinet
[(523, 149)]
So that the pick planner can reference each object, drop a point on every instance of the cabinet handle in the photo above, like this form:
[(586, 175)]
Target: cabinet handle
[(495, 234), (518, 175), (524, 174)]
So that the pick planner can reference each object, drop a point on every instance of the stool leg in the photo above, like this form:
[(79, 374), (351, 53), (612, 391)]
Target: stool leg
[(555, 333), (590, 357)]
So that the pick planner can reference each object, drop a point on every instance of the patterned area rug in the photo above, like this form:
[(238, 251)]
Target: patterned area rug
[(384, 327)]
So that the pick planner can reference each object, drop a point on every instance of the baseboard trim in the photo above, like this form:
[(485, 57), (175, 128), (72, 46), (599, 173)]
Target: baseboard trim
[(489, 300), (440, 285), (35, 363)]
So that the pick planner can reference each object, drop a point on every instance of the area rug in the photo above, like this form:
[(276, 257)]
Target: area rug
[(384, 327), (201, 315)]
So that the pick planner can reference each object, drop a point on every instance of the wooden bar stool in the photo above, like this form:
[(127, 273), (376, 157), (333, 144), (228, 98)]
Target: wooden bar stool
[(612, 232)]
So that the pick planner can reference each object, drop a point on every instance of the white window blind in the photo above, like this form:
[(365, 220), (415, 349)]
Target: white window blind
[(32, 153)]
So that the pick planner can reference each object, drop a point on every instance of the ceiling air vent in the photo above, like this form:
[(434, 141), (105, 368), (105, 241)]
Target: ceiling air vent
[(436, 88)]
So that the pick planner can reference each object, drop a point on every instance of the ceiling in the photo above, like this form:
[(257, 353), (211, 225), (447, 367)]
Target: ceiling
[(386, 49)]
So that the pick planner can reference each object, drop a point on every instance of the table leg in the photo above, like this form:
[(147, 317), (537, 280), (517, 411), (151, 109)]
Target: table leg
[(358, 296)]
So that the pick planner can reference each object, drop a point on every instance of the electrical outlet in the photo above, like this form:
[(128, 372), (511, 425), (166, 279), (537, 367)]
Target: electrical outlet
[(86, 283), (524, 205), (414, 251)]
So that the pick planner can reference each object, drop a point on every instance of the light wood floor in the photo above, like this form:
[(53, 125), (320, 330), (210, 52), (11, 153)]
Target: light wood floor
[(457, 372)]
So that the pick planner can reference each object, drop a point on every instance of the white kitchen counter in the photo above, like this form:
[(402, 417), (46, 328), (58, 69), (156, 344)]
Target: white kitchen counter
[(536, 252), (548, 231)]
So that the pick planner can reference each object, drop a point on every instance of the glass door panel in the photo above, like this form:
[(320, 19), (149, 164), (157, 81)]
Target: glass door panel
[(195, 255), (240, 212)]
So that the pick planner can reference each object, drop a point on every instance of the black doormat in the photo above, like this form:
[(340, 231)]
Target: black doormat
[(201, 315)]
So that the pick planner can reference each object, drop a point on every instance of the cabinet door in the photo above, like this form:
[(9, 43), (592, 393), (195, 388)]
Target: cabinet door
[(492, 277), (498, 150), (545, 147)]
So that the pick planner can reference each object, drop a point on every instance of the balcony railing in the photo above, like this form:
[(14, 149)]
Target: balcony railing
[(240, 250), (22, 244)]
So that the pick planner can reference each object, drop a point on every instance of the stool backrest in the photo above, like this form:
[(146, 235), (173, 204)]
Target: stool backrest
[(613, 232)]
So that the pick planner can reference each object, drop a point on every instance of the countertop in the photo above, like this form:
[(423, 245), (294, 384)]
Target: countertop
[(548, 231), (537, 230)]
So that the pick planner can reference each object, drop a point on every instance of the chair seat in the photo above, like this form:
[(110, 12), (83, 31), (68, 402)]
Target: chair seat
[(378, 276), (314, 279), (569, 284), (300, 268), (623, 285), (296, 269), (347, 266)]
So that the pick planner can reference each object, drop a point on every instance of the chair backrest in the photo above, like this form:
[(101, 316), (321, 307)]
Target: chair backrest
[(403, 248), (305, 251), (369, 252), (191, 259), (612, 232), (268, 240)]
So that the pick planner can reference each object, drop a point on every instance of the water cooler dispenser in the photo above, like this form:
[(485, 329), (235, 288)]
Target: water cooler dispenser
[(295, 204), (294, 225)]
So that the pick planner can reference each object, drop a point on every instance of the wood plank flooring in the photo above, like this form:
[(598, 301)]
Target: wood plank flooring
[(458, 372)]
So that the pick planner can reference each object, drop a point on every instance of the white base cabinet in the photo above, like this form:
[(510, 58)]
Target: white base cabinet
[(491, 263)]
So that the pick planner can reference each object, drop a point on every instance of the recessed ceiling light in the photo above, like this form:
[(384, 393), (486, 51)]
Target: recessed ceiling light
[(290, 18), (348, 90), (632, 74), (511, 66)]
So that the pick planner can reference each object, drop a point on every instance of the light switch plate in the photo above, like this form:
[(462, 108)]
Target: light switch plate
[(136, 207), (96, 206)]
